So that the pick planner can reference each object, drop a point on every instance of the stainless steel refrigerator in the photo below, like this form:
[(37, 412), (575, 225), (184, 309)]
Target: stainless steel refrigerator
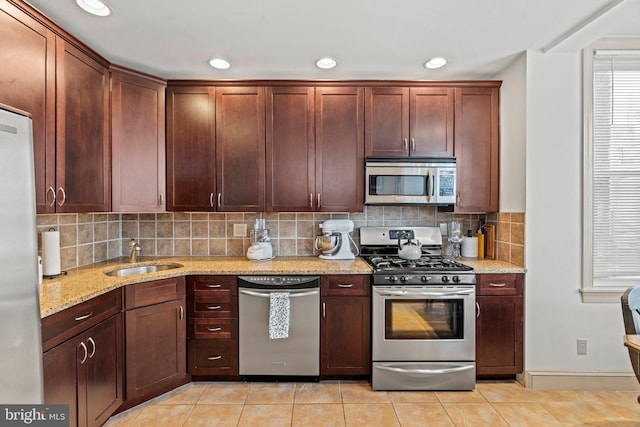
[(20, 337)]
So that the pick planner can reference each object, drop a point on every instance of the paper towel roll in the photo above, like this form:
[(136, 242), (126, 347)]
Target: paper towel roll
[(470, 247), (39, 270), (50, 253)]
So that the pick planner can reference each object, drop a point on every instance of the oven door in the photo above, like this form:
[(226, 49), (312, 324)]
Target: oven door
[(423, 323)]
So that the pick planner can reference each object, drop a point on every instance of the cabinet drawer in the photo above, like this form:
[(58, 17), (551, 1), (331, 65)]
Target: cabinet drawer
[(65, 324), (211, 308), (352, 285), (213, 357), (222, 286), (499, 284), (213, 328), (158, 291)]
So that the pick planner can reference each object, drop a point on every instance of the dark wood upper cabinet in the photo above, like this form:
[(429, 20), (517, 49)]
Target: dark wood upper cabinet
[(403, 121), (290, 149), (83, 161), (191, 155), (27, 82), (339, 117), (477, 149), (137, 143), (240, 149)]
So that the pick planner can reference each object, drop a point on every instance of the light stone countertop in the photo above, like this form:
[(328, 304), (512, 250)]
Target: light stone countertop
[(84, 283)]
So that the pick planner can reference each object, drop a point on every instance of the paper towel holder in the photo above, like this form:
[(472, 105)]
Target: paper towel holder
[(53, 276)]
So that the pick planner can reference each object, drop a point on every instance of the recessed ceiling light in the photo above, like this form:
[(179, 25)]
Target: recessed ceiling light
[(436, 62), (94, 7), (220, 64), (326, 63)]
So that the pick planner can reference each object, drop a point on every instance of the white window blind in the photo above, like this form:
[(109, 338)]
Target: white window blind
[(616, 169)]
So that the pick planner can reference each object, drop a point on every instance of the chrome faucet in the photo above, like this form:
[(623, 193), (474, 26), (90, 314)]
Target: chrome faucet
[(134, 249)]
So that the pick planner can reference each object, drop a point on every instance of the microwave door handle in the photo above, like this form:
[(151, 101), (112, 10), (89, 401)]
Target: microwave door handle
[(427, 186), (433, 185)]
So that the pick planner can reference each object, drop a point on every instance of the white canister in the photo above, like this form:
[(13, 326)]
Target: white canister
[(470, 247)]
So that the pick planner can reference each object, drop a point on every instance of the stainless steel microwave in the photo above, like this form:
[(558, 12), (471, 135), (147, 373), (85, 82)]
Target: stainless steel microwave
[(410, 181)]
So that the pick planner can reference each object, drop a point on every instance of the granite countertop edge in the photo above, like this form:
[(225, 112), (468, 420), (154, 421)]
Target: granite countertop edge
[(83, 283)]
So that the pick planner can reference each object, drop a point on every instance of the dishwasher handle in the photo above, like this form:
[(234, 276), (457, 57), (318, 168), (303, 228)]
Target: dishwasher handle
[(268, 294)]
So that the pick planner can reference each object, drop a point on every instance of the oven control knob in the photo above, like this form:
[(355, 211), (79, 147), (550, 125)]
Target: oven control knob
[(455, 279), (392, 279), (445, 279), (403, 279), (425, 279)]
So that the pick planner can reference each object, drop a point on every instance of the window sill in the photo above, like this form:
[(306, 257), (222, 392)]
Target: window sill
[(602, 295)]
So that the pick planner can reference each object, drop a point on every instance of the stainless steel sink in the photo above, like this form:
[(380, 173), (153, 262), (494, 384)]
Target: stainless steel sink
[(141, 269)]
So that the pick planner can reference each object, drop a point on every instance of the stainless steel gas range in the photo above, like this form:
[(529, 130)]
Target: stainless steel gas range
[(423, 312)]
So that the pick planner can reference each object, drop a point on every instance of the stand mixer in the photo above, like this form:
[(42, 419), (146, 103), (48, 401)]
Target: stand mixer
[(335, 240)]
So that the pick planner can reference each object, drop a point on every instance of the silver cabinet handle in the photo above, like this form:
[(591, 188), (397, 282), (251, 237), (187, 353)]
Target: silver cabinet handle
[(86, 353), (219, 200), (161, 198), (53, 193), (405, 145), (214, 357), (93, 347), (211, 200), (64, 196), (324, 310), (318, 204), (311, 200), (214, 307), (345, 285), (477, 311), (212, 285), (181, 313), (498, 285), (210, 329), (84, 316), (413, 144)]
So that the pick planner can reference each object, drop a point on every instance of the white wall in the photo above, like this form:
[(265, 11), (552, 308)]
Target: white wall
[(555, 316), (513, 136)]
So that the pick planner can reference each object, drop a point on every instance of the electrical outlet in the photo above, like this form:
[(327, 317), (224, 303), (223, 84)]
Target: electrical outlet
[(582, 347), (443, 229), (239, 230)]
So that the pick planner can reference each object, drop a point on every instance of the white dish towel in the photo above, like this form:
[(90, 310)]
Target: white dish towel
[(279, 312)]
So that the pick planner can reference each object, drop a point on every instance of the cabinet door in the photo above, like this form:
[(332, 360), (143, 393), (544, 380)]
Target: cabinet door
[(476, 149), (191, 158), (339, 149), (240, 149), (138, 143), (290, 143), (27, 82), (60, 377), (103, 371), (83, 163), (345, 347), (499, 335), (431, 123), (387, 121), (155, 348)]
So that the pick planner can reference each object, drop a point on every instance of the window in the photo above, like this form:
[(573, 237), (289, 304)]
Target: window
[(611, 226)]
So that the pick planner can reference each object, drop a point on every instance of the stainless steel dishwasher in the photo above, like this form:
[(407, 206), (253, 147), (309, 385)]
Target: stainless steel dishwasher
[(296, 355)]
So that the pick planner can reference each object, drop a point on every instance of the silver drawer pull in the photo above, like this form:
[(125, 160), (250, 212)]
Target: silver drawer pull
[(84, 316), (211, 285), (213, 329), (498, 285), (214, 307), (345, 285), (214, 357)]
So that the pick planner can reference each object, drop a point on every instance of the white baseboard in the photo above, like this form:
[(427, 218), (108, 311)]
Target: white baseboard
[(618, 381)]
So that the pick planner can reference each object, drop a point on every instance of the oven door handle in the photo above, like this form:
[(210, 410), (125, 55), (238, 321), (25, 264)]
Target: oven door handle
[(268, 294), (426, 371), (425, 294)]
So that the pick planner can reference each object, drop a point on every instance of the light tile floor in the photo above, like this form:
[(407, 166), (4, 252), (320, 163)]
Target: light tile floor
[(350, 403)]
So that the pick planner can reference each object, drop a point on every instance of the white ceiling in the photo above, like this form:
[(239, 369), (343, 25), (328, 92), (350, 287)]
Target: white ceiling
[(371, 39)]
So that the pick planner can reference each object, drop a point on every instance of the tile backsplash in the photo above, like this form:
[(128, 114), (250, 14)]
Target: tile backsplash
[(90, 238)]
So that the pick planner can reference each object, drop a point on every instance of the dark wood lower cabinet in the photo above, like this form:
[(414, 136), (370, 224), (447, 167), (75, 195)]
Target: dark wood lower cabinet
[(85, 372), (345, 328), (499, 325)]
